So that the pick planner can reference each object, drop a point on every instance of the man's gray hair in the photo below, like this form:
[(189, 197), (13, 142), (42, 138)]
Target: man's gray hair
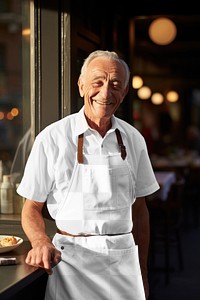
[(107, 54)]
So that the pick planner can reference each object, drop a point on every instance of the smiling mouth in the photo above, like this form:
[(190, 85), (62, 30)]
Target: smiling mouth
[(102, 103)]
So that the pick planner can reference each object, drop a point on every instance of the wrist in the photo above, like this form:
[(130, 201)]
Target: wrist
[(40, 240)]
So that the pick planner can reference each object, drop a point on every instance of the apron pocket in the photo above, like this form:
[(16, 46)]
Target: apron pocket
[(106, 188), (125, 262), (96, 272)]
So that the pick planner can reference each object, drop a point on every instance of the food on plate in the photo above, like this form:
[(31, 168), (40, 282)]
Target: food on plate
[(8, 241)]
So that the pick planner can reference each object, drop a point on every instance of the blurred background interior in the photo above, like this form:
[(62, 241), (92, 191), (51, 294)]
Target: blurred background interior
[(42, 46)]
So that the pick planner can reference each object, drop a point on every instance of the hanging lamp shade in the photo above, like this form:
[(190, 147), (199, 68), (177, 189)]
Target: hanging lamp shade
[(162, 31)]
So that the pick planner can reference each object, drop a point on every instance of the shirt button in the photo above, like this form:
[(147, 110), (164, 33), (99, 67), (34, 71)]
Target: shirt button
[(62, 247)]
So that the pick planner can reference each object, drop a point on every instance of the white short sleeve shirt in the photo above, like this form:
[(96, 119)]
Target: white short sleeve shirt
[(50, 164)]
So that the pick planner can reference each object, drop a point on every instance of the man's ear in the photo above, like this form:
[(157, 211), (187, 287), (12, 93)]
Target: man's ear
[(81, 87)]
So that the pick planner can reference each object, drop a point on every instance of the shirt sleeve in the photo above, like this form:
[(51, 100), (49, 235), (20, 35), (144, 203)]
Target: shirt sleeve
[(146, 182), (37, 179)]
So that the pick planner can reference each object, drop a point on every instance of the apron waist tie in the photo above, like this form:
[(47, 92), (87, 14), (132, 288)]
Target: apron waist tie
[(74, 235), (87, 235)]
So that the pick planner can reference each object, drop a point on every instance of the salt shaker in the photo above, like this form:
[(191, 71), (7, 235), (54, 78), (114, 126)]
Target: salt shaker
[(7, 193)]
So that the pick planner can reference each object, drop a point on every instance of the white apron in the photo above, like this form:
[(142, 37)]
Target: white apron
[(104, 266)]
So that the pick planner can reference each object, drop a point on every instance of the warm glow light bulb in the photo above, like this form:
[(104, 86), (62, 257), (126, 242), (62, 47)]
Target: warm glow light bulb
[(1, 115), (144, 93), (172, 96), (14, 111), (26, 31), (157, 98), (137, 82), (162, 31)]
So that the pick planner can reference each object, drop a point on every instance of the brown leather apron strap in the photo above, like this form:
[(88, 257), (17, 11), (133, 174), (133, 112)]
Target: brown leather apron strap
[(119, 140), (80, 149), (120, 143), (74, 235)]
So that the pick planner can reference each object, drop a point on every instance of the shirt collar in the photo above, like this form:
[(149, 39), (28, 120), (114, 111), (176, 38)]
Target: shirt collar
[(82, 125)]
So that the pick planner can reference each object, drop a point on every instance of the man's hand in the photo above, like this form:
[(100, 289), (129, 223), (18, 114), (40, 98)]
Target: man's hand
[(43, 255)]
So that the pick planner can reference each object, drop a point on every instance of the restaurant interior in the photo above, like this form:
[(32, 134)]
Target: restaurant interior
[(161, 43)]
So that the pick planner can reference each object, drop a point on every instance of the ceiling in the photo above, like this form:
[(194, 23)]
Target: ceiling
[(177, 63)]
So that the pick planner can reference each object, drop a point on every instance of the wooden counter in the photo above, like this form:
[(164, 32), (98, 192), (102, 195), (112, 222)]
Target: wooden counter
[(21, 281), (15, 278)]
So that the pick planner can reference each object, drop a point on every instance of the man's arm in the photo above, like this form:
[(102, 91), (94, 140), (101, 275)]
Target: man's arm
[(43, 252), (141, 233)]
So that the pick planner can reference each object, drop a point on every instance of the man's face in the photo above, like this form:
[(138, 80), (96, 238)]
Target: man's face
[(103, 88)]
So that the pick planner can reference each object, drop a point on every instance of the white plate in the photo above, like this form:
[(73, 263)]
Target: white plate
[(10, 248)]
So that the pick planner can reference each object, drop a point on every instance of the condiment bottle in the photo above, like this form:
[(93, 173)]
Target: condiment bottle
[(1, 171), (1, 178), (18, 201), (7, 192)]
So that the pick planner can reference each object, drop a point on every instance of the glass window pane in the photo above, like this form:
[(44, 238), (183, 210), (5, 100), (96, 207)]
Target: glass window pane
[(15, 113)]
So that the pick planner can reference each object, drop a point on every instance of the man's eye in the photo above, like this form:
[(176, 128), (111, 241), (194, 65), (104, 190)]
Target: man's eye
[(96, 84), (116, 86)]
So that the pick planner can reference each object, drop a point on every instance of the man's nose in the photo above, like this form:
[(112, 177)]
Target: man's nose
[(106, 91)]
